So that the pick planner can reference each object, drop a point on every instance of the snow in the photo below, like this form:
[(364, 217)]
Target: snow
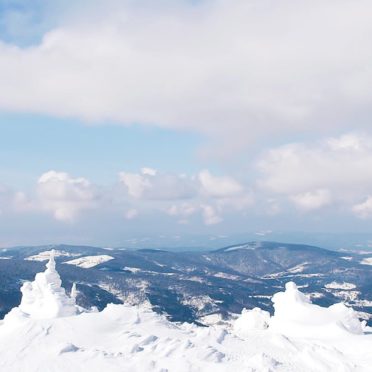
[(132, 269), (347, 296), (197, 279), (44, 297), (316, 295), (300, 336), (114, 291), (347, 258), (298, 268), (251, 320), (344, 291), (367, 261), (250, 247), (88, 262), (159, 264), (198, 302), (212, 319), (345, 286), (296, 315), (285, 274), (226, 276), (44, 256)]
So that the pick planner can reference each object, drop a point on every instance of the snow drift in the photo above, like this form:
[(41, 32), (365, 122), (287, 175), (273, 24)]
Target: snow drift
[(47, 332)]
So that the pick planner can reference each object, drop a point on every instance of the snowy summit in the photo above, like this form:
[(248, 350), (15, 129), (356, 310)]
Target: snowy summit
[(48, 332)]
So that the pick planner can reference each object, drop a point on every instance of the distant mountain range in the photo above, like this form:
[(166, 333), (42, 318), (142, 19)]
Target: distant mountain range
[(197, 286)]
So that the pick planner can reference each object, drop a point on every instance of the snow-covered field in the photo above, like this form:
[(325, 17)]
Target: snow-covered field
[(44, 256), (88, 262), (48, 332), (367, 261), (344, 286)]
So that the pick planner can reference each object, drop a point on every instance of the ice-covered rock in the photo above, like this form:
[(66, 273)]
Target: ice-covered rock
[(295, 315), (45, 298)]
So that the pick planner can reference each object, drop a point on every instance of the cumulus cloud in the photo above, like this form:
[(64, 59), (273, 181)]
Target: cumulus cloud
[(309, 201), (183, 210), (135, 183), (146, 192), (316, 174), (364, 209), (14, 201), (210, 215), (219, 187), (232, 69), (183, 196), (64, 196), (152, 185)]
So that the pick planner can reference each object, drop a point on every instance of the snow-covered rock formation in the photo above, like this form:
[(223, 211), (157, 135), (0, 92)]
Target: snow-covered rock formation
[(45, 297), (45, 333)]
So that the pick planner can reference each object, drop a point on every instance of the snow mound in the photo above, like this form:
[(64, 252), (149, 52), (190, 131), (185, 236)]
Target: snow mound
[(251, 320), (44, 298), (295, 315), (88, 262)]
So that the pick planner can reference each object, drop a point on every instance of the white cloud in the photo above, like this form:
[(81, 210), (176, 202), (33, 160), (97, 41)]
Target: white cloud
[(149, 171), (364, 209), (22, 203), (182, 210), (233, 69), (14, 201), (310, 176), (131, 214), (149, 191), (210, 215), (152, 185), (135, 183), (207, 194), (66, 197), (313, 175), (219, 186), (272, 207), (309, 201)]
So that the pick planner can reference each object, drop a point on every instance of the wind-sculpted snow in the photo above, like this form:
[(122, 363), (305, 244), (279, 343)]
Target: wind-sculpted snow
[(44, 297), (134, 338), (296, 315)]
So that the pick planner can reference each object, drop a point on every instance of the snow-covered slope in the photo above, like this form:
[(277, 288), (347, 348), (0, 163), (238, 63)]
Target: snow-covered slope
[(90, 261), (367, 261), (44, 256), (299, 337)]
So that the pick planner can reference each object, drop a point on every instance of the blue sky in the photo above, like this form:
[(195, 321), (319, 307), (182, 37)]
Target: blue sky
[(36, 143), (123, 120)]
